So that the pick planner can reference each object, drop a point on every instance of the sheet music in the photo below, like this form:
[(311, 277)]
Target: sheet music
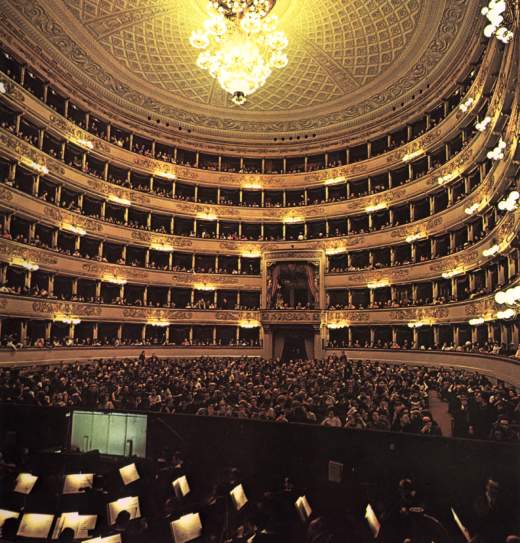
[(5, 514), (35, 525), (129, 474), (186, 528), (130, 504), (25, 483), (461, 526), (181, 486), (81, 524), (239, 497), (74, 482), (372, 520), (115, 538), (303, 507)]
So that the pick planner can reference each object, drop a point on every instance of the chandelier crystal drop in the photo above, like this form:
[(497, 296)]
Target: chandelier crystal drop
[(240, 45)]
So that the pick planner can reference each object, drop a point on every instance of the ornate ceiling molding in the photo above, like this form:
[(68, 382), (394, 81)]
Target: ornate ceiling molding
[(116, 52)]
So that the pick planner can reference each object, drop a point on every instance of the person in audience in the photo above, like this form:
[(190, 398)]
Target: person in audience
[(333, 392)]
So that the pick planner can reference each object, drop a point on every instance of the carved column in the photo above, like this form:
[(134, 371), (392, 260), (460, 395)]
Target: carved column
[(267, 342)]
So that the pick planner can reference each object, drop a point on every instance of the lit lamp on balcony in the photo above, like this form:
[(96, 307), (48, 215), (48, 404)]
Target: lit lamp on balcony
[(204, 286), (74, 229), (251, 253), (415, 237), (508, 297), (335, 180), (125, 202), (66, 319), (37, 167), (475, 206), (164, 247), (498, 152), (442, 179), (476, 321), (464, 106), (506, 314), (413, 154), (249, 323), (452, 273), (483, 124), (166, 175), (207, 216), (493, 250), (82, 142), (114, 279), (510, 203), (252, 185), (337, 325), (28, 265), (158, 322), (293, 219), (378, 284), (336, 250), (376, 207), (416, 324)]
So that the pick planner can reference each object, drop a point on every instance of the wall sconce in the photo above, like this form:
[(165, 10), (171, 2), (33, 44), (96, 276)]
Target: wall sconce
[(19, 261), (165, 247), (498, 152), (206, 216), (464, 106), (476, 206), (293, 219), (250, 323), (107, 278), (203, 286), (508, 297), (379, 284), (493, 12), (335, 180), (81, 142), (158, 322), (493, 250), (446, 177), (482, 125), (509, 203), (251, 253), (376, 207), (74, 229), (329, 251), (452, 273), (506, 314), (118, 200), (413, 154), (65, 319), (416, 324), (476, 321), (414, 237), (252, 185), (166, 175), (30, 163), (336, 325)]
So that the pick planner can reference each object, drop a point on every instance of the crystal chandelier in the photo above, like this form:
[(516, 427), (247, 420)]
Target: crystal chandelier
[(240, 45)]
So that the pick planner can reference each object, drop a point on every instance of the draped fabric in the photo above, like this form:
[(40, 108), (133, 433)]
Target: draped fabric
[(311, 283), (292, 269)]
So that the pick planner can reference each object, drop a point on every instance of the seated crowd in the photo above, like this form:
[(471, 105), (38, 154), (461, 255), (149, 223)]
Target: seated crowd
[(332, 392)]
